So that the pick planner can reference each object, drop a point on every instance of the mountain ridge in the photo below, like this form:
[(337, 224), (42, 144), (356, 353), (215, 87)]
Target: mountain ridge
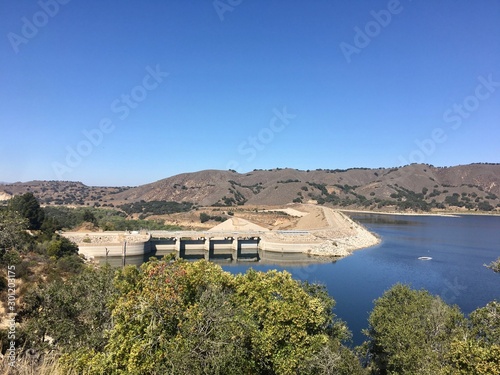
[(416, 186)]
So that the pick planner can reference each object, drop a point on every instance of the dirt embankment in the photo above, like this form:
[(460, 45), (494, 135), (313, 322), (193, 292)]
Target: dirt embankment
[(307, 228), (324, 232)]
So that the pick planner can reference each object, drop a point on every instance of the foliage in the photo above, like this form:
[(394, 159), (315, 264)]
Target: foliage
[(28, 207), (485, 323), (67, 217), (237, 199), (155, 316), (73, 313), (12, 227), (411, 331), (293, 322), (70, 264), (180, 317), (471, 357), (408, 199), (61, 247), (204, 217), (495, 265), (156, 207), (11, 257), (485, 206), (193, 318), (255, 188), (107, 219), (89, 217), (332, 359), (479, 352)]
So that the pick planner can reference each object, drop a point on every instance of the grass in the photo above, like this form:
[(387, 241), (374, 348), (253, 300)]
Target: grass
[(32, 365)]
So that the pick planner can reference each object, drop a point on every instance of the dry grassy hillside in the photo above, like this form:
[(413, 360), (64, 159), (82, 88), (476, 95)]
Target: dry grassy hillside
[(417, 186)]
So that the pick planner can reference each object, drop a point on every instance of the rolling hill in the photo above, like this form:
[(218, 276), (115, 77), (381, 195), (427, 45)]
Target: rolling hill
[(413, 187)]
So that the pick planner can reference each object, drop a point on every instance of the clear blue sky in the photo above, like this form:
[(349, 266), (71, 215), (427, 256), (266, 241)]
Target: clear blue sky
[(165, 87)]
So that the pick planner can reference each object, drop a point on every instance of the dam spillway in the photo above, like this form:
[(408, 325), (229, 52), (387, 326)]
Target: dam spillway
[(187, 245), (231, 248)]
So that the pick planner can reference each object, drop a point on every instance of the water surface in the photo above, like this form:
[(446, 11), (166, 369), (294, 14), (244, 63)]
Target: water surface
[(458, 246)]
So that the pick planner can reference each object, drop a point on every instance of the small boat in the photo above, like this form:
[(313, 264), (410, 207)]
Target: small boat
[(424, 258)]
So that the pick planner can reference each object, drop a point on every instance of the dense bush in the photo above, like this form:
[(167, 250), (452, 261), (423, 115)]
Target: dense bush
[(185, 317), (156, 207), (193, 318)]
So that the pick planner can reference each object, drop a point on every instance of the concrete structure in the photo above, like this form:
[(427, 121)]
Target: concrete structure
[(208, 245), (236, 239), (185, 244)]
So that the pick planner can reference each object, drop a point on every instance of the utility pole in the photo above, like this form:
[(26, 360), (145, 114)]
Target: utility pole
[(124, 253)]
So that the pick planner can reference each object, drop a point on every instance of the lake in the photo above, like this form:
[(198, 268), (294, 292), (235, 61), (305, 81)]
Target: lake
[(458, 246)]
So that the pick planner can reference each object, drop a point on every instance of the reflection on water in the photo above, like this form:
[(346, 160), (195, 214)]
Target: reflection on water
[(368, 218), (264, 257)]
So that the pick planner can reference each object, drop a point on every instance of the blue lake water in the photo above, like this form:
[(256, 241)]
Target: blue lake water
[(458, 246)]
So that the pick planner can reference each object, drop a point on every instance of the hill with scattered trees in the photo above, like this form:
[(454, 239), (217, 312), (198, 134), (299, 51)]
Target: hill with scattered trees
[(179, 317), (416, 187)]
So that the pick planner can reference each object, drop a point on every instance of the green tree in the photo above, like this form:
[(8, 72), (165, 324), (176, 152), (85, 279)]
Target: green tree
[(89, 217), (485, 206), (411, 331), (155, 304), (478, 352), (27, 206), (485, 323), (12, 230), (50, 225), (294, 323), (471, 357), (332, 359), (61, 247), (204, 217), (74, 313), (184, 317)]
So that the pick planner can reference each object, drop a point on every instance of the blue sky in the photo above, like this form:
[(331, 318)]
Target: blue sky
[(129, 92)]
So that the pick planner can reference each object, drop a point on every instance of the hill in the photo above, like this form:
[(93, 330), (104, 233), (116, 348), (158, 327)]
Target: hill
[(412, 187)]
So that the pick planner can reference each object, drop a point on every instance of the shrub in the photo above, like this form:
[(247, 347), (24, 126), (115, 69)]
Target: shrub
[(204, 217)]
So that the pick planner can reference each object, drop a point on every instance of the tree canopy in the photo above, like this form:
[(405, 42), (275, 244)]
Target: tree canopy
[(193, 318), (12, 225), (179, 317), (28, 207), (414, 332)]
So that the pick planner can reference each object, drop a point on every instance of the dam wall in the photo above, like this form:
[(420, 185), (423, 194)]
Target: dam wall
[(114, 249), (281, 247), (109, 244)]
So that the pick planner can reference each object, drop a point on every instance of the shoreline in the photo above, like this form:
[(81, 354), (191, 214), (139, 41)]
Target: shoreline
[(443, 214), (358, 237)]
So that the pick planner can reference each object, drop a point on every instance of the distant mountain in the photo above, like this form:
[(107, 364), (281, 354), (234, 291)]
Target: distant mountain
[(412, 187)]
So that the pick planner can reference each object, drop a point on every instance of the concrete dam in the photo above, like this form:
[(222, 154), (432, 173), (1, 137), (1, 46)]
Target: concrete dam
[(236, 239), (187, 245)]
